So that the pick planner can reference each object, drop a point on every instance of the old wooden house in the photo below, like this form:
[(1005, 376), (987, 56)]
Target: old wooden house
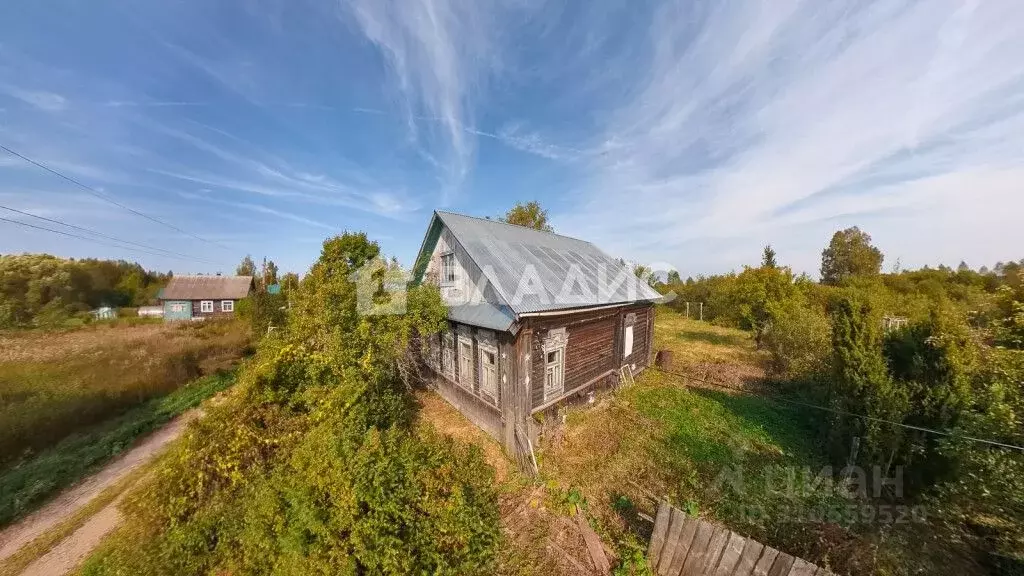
[(536, 320), (200, 297)]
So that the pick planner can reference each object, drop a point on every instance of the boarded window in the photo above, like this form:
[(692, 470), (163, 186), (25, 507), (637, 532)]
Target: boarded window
[(554, 373), (466, 363), (627, 342), (489, 374), (448, 269)]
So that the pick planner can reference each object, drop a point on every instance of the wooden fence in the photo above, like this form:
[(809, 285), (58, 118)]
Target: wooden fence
[(685, 546)]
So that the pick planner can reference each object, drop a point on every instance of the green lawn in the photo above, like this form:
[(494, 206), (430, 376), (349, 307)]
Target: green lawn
[(26, 485), (724, 454)]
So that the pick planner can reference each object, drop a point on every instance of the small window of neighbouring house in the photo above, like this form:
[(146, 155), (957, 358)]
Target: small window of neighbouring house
[(177, 307), (206, 306), (227, 305), (448, 269)]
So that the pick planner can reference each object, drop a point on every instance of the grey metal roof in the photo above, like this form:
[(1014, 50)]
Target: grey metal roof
[(536, 271), (484, 315), (206, 287)]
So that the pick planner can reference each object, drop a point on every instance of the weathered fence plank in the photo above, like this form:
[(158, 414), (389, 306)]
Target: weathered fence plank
[(802, 568), (730, 555), (676, 522), (695, 559), (751, 552), (764, 563), (685, 546), (714, 551), (658, 536), (683, 550), (783, 564)]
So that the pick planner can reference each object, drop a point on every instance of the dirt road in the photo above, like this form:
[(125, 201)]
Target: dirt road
[(68, 553)]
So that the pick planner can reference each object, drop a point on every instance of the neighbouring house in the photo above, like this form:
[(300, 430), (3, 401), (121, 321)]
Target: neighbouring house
[(150, 311), (200, 297), (104, 313), (536, 320)]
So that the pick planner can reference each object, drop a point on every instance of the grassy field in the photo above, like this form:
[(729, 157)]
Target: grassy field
[(693, 437), (53, 384), (27, 485)]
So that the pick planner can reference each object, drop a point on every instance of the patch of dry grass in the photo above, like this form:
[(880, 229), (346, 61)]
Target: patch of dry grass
[(693, 342), (53, 384)]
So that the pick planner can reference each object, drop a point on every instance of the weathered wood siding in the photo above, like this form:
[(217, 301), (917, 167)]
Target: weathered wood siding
[(643, 324), (468, 276), (464, 393), (594, 346)]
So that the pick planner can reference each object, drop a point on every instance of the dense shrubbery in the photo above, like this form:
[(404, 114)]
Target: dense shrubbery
[(312, 468), (43, 290), (956, 366)]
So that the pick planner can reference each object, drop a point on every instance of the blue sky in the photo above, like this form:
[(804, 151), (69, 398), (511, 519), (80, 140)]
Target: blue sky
[(689, 133)]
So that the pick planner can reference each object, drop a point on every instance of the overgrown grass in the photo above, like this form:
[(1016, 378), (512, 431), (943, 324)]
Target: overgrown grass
[(25, 486), (722, 454), (53, 384)]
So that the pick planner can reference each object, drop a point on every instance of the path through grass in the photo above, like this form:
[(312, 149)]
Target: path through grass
[(25, 486)]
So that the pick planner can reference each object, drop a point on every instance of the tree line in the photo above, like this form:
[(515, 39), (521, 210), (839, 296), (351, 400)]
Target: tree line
[(936, 348), (44, 290)]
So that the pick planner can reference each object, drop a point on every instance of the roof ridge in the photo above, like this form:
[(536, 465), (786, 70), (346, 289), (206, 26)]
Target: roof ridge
[(516, 225)]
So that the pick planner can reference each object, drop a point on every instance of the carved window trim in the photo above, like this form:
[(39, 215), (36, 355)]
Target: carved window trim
[(554, 345), (467, 371)]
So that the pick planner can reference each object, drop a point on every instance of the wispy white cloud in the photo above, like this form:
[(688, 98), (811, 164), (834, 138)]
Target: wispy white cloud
[(440, 54), (755, 117), (260, 208), (41, 99)]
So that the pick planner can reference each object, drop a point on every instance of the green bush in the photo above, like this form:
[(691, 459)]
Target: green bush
[(312, 468), (798, 342)]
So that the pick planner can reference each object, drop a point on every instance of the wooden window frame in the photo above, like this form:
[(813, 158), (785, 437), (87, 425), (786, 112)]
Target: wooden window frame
[(467, 383), (227, 305), (206, 306), (628, 335), (448, 269), (555, 342), (448, 355), (484, 349)]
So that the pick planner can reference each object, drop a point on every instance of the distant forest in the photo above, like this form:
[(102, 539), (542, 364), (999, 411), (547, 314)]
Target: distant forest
[(44, 290)]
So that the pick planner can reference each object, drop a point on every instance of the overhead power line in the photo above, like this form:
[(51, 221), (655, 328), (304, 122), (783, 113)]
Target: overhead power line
[(70, 235), (114, 238), (106, 198), (852, 414)]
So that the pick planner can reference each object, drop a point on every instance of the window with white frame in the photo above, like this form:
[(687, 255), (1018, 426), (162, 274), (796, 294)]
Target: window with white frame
[(177, 307), (227, 305), (466, 376), (489, 372), (206, 306), (627, 336), (553, 346), (448, 269)]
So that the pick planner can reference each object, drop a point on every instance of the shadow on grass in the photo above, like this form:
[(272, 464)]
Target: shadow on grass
[(712, 338), (709, 430)]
